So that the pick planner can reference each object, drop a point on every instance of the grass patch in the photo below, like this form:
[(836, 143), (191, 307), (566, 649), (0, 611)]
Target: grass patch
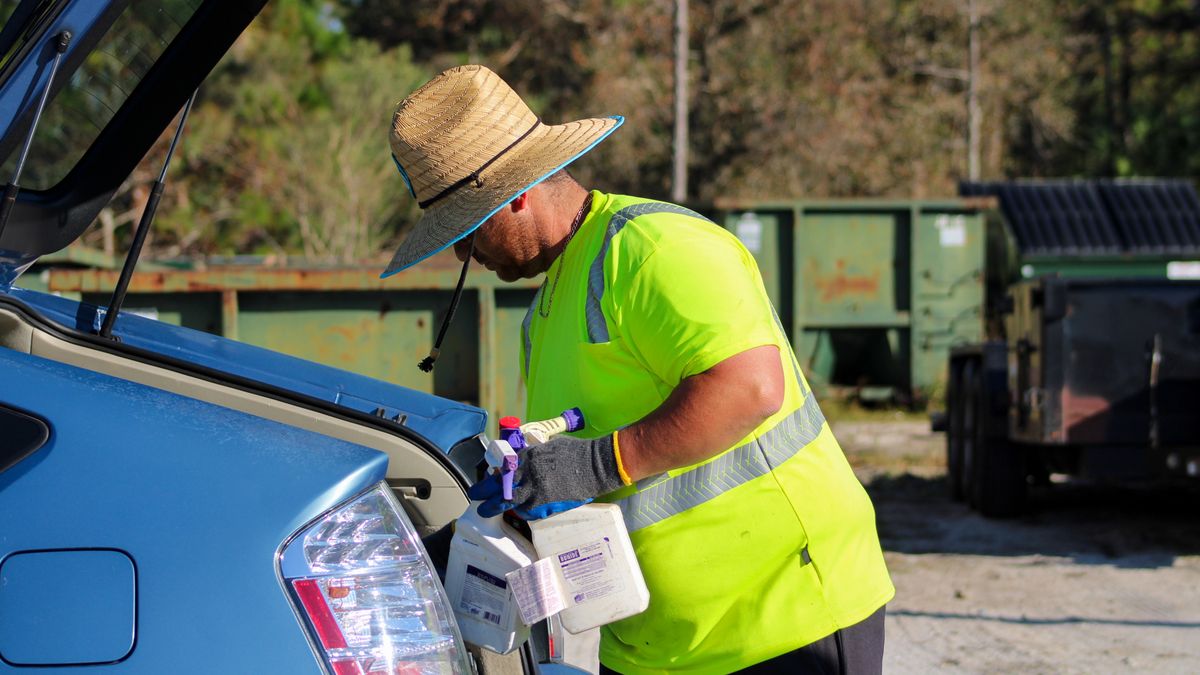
[(843, 410)]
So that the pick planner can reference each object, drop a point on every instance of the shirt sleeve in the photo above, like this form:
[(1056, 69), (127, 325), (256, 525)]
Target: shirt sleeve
[(691, 305)]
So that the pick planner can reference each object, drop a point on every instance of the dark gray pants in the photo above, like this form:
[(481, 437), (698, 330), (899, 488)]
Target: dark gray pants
[(856, 650)]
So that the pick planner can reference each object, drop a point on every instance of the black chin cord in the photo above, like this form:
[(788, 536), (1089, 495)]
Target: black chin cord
[(427, 363)]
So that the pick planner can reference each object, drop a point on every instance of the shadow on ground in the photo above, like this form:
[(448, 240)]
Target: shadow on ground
[(1052, 621), (1140, 527)]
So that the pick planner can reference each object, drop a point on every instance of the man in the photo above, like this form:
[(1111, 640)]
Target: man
[(757, 542)]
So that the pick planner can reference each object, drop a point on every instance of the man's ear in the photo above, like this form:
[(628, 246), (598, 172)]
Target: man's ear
[(520, 203)]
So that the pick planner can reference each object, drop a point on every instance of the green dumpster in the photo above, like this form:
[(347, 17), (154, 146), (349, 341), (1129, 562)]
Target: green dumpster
[(873, 293), (75, 256)]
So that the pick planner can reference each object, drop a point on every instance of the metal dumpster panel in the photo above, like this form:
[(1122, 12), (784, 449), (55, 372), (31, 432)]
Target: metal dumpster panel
[(379, 334), (348, 318), (948, 253), (767, 234), (198, 311), (1107, 394), (508, 394), (1078, 377), (851, 269), (880, 289)]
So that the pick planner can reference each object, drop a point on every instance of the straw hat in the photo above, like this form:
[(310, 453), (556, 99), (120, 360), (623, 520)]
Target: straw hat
[(467, 145)]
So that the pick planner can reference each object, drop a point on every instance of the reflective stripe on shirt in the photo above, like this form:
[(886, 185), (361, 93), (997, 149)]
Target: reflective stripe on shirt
[(596, 327), (661, 497)]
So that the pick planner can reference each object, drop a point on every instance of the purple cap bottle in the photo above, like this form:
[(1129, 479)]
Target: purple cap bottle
[(510, 432)]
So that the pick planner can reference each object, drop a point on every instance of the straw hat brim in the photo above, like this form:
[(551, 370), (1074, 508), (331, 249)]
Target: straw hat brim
[(540, 155)]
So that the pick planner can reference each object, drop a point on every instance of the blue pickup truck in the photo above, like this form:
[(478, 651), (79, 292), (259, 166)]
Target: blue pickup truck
[(172, 501)]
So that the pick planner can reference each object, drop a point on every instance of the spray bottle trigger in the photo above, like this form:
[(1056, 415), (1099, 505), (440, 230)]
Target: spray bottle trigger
[(503, 459), (506, 476)]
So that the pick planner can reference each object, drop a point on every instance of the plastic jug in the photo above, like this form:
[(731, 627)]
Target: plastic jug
[(482, 552)]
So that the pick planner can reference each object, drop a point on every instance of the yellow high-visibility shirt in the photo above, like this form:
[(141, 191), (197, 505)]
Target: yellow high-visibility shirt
[(765, 548)]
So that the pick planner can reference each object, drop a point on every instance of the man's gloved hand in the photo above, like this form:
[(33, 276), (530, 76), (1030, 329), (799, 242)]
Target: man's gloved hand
[(556, 476)]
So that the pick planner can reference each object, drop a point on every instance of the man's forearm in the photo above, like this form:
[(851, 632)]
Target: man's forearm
[(706, 414)]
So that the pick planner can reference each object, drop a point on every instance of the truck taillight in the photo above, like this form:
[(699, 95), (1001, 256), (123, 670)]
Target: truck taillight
[(368, 594)]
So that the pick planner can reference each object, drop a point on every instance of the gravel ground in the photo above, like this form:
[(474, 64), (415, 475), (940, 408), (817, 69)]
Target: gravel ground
[(1094, 580)]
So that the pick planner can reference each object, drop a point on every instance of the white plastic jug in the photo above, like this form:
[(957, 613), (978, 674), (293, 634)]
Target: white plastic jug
[(482, 552), (601, 578)]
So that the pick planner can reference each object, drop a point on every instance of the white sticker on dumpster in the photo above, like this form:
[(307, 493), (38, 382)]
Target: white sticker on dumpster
[(749, 230), (952, 230), (1183, 269)]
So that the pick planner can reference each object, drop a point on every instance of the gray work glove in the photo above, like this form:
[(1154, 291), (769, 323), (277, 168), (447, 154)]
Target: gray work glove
[(556, 476)]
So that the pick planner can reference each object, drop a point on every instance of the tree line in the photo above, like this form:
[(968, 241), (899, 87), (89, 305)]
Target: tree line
[(286, 152)]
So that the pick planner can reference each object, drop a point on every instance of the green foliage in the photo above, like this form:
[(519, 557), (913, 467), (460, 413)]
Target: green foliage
[(1139, 111), (829, 98), (287, 153), (287, 149)]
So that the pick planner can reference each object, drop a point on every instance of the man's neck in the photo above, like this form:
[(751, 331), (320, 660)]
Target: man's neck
[(566, 203)]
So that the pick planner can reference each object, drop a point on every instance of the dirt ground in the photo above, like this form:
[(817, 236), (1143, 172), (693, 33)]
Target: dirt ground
[(1093, 580)]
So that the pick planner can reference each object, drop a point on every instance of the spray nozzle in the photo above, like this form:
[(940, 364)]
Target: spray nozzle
[(536, 433), (502, 457), (506, 475), (502, 453)]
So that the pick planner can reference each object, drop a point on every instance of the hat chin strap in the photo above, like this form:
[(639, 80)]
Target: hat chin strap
[(426, 364), (473, 177)]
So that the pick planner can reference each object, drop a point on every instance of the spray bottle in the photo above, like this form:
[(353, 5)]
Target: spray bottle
[(482, 553), (587, 574)]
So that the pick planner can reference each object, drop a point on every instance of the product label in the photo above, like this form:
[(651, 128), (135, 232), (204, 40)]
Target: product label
[(589, 571), (484, 595), (538, 590)]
